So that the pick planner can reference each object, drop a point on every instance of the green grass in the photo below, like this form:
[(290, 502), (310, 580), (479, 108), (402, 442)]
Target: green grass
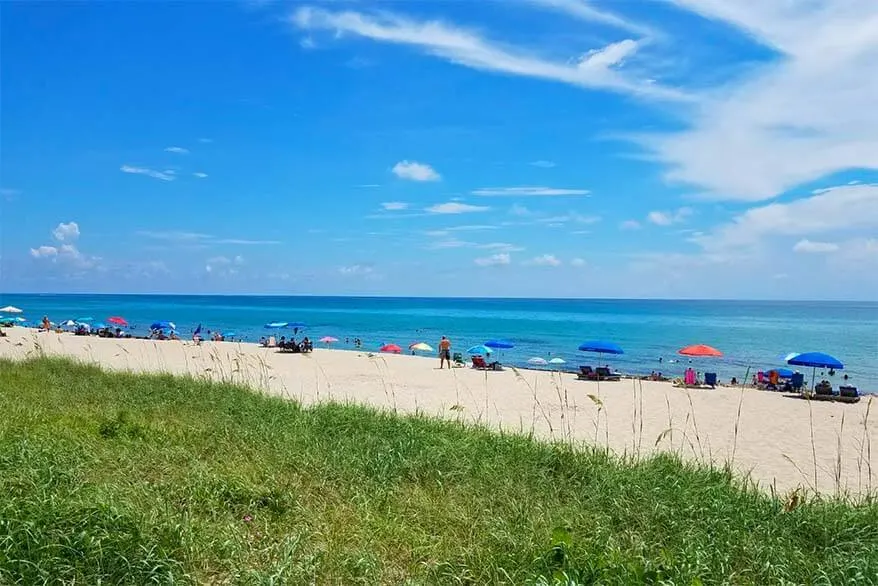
[(117, 478)]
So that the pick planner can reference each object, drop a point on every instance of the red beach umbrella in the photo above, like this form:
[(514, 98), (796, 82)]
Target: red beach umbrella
[(117, 321), (392, 348), (700, 350)]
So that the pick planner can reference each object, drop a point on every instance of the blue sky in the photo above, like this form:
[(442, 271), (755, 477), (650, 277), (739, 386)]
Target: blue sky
[(664, 148)]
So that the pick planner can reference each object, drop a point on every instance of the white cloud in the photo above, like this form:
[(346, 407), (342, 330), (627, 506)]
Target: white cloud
[(449, 243), (224, 265), (198, 238), (163, 175), (307, 43), (393, 206), (667, 218), (44, 252), (805, 115), (200, 175), (68, 232), (630, 225), (495, 260), (848, 208), (543, 164), (436, 233), (806, 245), (596, 69), (585, 11), (545, 260), (527, 191), (205, 140), (571, 217), (414, 171), (356, 270), (577, 262), (177, 150), (501, 247), (471, 228), (455, 208)]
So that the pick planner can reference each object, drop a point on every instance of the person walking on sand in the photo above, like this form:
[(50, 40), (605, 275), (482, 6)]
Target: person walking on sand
[(444, 352)]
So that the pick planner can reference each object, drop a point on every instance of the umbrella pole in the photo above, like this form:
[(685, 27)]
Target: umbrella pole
[(813, 375)]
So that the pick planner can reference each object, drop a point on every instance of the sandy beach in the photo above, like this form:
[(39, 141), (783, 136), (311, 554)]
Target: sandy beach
[(780, 443)]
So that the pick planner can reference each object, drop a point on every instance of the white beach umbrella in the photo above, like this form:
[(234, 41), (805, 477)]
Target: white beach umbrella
[(557, 361), (537, 361), (10, 309)]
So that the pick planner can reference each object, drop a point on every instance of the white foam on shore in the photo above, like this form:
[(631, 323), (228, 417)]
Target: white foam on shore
[(772, 446)]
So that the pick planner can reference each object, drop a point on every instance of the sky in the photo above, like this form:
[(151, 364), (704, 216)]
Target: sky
[(524, 148)]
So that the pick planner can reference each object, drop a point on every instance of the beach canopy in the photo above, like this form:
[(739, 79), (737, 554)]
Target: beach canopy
[(117, 321), (392, 348), (783, 372), (557, 361), (163, 325), (700, 350), (421, 347), (477, 350), (68, 324), (601, 347), (99, 326), (499, 344), (328, 339), (11, 309), (537, 361), (816, 360)]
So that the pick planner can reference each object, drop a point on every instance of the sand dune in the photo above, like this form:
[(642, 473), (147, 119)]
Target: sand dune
[(771, 441)]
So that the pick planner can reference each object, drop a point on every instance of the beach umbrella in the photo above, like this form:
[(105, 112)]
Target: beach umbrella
[(117, 321), (421, 347), (11, 309), (700, 350), (68, 324), (783, 372), (816, 360), (84, 320), (163, 325), (392, 348), (328, 339), (229, 334), (788, 356), (100, 325), (536, 360), (601, 347), (20, 320), (499, 344), (478, 350), (557, 361), (276, 325)]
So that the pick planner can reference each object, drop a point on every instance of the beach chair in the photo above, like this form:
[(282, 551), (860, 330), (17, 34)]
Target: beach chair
[(272, 343), (458, 359), (823, 388), (848, 391), (586, 373), (603, 373), (710, 379), (797, 381)]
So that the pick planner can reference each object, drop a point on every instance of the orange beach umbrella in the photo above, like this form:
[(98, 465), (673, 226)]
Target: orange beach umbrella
[(700, 350)]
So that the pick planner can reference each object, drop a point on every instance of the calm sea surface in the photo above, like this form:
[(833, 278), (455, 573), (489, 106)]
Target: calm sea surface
[(750, 333)]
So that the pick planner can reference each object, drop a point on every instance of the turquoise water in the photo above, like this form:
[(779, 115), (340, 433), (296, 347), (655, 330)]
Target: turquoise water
[(750, 333)]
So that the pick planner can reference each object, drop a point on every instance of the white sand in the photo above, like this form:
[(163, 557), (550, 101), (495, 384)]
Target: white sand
[(773, 444)]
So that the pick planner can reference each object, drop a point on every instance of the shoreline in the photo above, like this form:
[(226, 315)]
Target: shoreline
[(769, 442)]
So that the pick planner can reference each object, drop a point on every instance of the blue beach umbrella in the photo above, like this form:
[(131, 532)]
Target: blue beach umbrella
[(99, 326), (163, 325), (601, 347), (784, 372), (478, 350), (816, 360), (499, 344), (277, 325)]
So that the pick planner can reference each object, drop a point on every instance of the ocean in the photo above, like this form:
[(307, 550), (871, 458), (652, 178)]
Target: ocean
[(751, 334)]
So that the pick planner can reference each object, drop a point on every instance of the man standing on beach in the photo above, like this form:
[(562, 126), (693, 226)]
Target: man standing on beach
[(444, 352)]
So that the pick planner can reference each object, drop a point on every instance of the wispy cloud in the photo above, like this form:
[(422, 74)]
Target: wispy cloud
[(167, 175), (811, 246), (414, 171), (578, 262), (583, 10), (454, 207), (200, 175), (805, 115), (543, 164), (205, 140), (525, 191), (393, 206), (449, 243), (501, 247), (660, 218), (183, 237), (495, 260), (177, 150), (630, 225), (596, 69), (357, 270)]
